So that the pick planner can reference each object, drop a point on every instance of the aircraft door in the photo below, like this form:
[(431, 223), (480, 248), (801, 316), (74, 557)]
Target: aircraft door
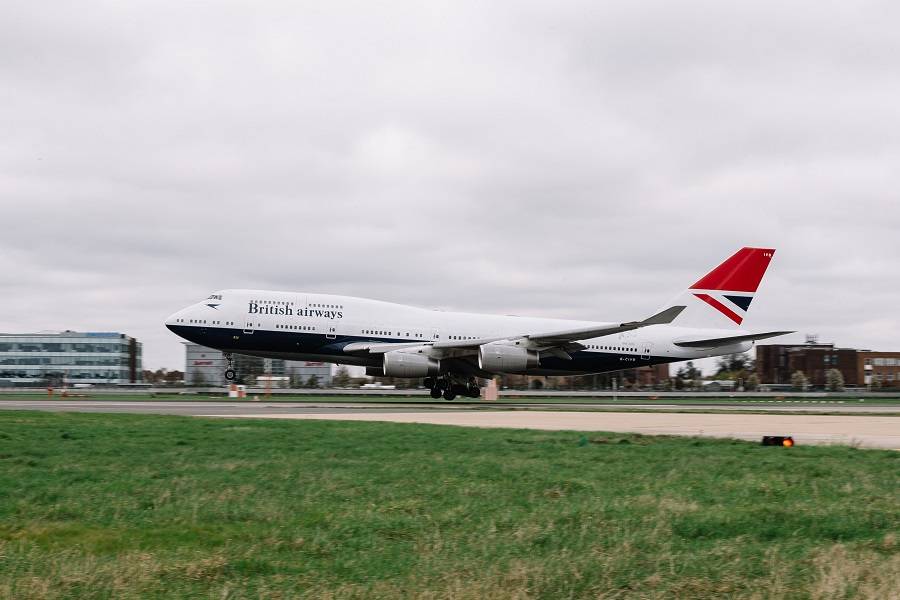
[(645, 348), (250, 326)]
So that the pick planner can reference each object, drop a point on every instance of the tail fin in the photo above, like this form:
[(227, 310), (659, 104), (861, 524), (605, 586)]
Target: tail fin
[(721, 298)]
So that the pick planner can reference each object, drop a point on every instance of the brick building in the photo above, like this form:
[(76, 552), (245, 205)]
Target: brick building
[(643, 377), (775, 363), (881, 369), (650, 376)]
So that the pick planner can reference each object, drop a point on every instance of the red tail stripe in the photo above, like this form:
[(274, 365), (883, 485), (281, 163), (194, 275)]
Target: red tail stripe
[(720, 307), (742, 272)]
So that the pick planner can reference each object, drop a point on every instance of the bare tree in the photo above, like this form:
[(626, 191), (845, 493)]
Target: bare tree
[(341, 377), (834, 380), (799, 381), (752, 382)]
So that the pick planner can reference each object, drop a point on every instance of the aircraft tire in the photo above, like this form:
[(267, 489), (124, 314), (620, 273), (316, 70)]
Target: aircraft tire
[(436, 393), (449, 394), (229, 374)]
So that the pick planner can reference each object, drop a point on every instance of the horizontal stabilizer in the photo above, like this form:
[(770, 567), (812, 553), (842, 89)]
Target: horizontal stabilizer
[(727, 341)]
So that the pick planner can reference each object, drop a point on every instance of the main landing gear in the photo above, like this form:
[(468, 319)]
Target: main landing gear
[(446, 386), (229, 372)]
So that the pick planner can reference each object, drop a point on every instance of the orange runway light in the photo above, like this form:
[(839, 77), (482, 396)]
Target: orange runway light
[(785, 441)]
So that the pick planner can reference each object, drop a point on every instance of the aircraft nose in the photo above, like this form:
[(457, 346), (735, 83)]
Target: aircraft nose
[(173, 320)]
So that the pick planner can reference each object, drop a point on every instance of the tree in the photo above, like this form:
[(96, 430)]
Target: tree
[(752, 382), (736, 367), (834, 380), (174, 376), (341, 377), (688, 375), (312, 382), (198, 379), (159, 376), (799, 381), (689, 371), (731, 363)]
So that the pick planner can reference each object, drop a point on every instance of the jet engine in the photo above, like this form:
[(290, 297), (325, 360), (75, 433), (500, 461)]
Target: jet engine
[(407, 364), (504, 358)]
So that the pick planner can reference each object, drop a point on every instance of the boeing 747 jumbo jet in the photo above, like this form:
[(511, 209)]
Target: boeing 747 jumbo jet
[(452, 350)]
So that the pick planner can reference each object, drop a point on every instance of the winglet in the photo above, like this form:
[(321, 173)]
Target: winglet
[(664, 317)]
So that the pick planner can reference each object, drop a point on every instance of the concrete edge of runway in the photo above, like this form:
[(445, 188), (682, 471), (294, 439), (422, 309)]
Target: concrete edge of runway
[(862, 430), (875, 432)]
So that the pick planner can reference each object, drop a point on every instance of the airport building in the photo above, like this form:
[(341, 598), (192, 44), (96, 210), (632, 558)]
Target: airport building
[(650, 376), (879, 369), (206, 367), (775, 363), (69, 358)]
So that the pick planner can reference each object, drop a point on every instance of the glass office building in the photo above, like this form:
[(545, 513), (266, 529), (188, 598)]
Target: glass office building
[(69, 358)]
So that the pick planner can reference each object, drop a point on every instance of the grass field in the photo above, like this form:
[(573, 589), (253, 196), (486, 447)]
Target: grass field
[(130, 506)]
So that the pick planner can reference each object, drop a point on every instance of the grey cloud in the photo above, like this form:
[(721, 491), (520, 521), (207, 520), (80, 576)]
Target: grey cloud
[(577, 160)]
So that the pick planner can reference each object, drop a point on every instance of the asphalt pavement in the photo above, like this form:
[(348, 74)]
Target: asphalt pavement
[(856, 425)]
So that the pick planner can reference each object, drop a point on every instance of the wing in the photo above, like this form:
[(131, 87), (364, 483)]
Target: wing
[(558, 339), (573, 335)]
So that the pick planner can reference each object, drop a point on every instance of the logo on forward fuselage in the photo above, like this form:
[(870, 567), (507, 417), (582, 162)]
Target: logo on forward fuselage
[(280, 309)]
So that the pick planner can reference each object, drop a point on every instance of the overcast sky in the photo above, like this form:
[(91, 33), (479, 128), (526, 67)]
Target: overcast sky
[(585, 160)]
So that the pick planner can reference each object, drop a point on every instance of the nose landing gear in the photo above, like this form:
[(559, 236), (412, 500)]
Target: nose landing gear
[(229, 372)]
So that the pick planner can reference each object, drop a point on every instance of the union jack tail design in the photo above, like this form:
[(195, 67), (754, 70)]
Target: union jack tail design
[(722, 297)]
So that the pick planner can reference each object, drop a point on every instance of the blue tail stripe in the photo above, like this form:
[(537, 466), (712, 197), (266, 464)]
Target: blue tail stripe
[(742, 301)]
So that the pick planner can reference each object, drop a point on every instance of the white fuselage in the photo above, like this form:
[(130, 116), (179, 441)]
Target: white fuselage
[(308, 326)]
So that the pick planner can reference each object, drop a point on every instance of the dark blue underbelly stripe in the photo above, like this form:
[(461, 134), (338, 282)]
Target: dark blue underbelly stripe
[(293, 342)]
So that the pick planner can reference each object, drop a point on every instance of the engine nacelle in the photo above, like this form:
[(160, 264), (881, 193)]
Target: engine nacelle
[(407, 364), (504, 358)]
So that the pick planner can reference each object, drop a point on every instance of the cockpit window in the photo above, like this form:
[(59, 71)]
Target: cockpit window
[(215, 297)]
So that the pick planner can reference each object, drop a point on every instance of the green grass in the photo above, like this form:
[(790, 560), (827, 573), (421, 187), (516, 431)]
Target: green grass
[(131, 506)]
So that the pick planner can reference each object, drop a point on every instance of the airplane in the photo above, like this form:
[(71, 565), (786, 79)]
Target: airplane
[(452, 351)]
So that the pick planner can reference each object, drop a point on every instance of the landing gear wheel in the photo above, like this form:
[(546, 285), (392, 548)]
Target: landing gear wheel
[(436, 392), (229, 372), (473, 392), (449, 394)]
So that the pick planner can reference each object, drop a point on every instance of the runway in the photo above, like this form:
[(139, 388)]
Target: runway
[(869, 431), (189, 407)]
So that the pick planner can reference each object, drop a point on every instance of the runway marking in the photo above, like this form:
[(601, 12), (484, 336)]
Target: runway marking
[(864, 431)]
